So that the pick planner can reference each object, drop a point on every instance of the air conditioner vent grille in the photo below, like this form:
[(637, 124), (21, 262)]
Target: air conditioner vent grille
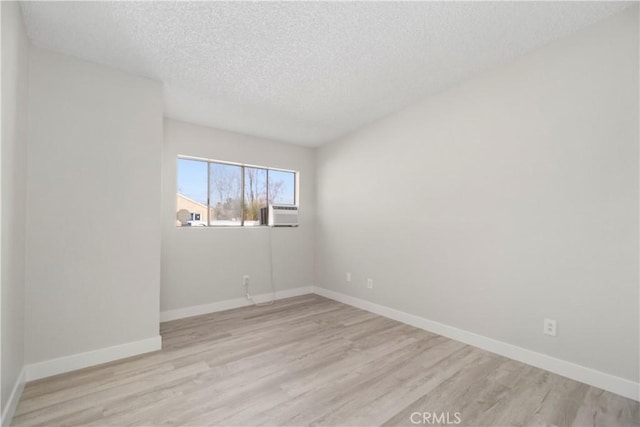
[(281, 215)]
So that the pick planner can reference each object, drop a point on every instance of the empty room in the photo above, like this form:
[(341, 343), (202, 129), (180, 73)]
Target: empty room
[(320, 213)]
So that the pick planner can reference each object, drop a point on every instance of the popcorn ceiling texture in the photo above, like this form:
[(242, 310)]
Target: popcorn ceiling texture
[(305, 73)]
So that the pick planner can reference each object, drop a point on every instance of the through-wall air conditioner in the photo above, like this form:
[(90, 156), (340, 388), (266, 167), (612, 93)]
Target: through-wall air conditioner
[(281, 216)]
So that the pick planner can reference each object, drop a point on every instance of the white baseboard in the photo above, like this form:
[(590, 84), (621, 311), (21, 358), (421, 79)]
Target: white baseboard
[(14, 397), (73, 362), (612, 383), (196, 310)]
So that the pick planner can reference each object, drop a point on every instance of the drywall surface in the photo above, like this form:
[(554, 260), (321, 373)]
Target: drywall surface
[(15, 53), (93, 207), (202, 265), (506, 200)]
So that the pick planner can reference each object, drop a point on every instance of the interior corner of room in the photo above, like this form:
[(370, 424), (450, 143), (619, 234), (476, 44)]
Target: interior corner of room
[(499, 212)]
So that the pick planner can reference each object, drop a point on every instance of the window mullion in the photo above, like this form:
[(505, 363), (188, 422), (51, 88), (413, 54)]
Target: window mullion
[(268, 188), (208, 193), (242, 196)]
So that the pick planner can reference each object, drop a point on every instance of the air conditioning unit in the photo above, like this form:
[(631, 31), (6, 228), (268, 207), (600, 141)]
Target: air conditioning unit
[(282, 216)]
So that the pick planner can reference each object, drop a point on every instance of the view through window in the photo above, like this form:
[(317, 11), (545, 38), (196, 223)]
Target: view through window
[(213, 193)]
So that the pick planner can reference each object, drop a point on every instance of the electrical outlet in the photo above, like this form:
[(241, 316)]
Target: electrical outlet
[(370, 283), (348, 277), (550, 327), (245, 280)]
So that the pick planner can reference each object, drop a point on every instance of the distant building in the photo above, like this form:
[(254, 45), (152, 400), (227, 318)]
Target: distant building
[(197, 212)]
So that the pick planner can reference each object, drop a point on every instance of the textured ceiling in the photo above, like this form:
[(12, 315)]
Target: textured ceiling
[(305, 73)]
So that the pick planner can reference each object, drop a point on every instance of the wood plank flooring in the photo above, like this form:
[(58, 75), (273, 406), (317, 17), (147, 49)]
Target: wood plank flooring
[(312, 361)]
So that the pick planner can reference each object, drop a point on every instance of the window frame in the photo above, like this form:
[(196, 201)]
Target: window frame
[(296, 177)]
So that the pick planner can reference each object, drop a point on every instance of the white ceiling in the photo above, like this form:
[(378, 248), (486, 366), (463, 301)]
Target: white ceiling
[(300, 72)]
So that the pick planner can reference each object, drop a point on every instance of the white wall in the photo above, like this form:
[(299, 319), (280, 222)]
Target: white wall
[(206, 265), (15, 50), (510, 198), (93, 207)]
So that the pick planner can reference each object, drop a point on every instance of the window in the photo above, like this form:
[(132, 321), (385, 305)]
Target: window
[(225, 194), (255, 194), (214, 193)]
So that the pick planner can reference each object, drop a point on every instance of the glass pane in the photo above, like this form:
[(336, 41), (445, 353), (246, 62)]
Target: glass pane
[(191, 206), (282, 187), (255, 194), (225, 194)]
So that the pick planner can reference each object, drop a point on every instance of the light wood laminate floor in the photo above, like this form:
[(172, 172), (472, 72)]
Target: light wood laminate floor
[(312, 361)]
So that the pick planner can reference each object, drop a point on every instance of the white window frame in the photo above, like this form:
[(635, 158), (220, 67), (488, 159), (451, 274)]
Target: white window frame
[(296, 186)]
